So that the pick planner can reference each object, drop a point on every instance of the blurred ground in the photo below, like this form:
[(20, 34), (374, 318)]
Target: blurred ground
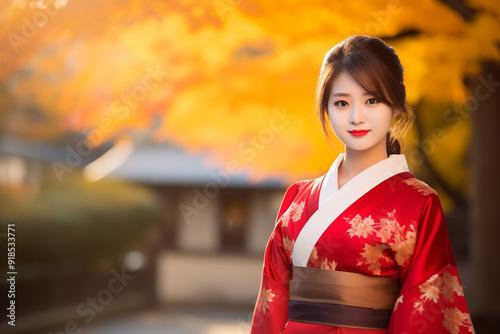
[(197, 320)]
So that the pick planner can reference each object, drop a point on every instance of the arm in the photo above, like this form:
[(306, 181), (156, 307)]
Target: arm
[(271, 309), (431, 298)]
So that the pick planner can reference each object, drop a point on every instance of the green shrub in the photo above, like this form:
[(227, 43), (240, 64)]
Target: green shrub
[(79, 222)]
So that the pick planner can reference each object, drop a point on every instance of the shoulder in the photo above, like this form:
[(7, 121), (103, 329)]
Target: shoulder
[(419, 187), (412, 192), (418, 197), (302, 185), (296, 190)]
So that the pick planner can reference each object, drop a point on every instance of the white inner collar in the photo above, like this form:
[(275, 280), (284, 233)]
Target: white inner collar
[(330, 184)]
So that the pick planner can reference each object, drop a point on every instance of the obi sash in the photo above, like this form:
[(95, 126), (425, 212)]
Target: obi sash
[(343, 299)]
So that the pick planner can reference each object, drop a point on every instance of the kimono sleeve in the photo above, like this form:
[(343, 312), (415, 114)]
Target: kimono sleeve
[(271, 309), (431, 298)]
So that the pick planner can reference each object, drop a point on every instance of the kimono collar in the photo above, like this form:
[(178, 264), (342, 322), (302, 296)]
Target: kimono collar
[(338, 200), (330, 183)]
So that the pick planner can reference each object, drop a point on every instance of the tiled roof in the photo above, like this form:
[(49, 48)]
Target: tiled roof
[(167, 164)]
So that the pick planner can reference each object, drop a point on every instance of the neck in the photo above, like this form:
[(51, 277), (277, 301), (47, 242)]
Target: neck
[(357, 161)]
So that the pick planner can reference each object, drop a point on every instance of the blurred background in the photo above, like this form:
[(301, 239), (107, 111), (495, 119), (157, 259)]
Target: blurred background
[(145, 147)]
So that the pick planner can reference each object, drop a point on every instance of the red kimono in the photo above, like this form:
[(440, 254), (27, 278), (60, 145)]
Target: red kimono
[(382, 223)]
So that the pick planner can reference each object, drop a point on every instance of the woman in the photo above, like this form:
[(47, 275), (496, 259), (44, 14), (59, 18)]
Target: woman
[(364, 248)]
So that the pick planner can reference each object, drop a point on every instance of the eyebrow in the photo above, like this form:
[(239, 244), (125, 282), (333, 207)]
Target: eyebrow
[(346, 94)]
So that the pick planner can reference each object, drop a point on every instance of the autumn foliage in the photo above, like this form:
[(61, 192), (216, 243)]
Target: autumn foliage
[(219, 74)]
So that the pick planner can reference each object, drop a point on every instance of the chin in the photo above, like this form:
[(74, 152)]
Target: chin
[(364, 146), (359, 148)]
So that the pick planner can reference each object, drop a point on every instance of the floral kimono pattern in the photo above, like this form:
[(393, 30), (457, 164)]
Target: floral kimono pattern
[(396, 230)]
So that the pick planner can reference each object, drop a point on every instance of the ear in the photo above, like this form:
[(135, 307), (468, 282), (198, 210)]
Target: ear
[(395, 112)]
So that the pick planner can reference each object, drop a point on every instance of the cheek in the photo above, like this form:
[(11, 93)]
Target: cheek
[(382, 119), (389, 120), (337, 116), (336, 121)]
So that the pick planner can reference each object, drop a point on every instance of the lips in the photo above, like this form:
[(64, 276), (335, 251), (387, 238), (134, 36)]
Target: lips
[(359, 133)]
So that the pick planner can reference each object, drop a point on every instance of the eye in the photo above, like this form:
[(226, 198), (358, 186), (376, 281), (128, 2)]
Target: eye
[(341, 103), (372, 101)]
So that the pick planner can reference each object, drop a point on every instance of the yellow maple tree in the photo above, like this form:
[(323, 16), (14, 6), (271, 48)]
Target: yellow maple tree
[(231, 77)]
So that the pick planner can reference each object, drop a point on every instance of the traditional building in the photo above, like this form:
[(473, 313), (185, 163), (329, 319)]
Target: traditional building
[(216, 223)]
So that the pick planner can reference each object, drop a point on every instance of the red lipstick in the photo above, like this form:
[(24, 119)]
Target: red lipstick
[(359, 133)]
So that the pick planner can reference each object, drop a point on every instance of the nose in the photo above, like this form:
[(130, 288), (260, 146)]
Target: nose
[(357, 115)]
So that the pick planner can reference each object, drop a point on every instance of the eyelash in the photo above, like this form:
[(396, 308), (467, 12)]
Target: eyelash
[(337, 103)]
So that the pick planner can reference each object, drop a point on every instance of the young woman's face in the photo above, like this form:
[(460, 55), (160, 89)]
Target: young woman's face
[(359, 120)]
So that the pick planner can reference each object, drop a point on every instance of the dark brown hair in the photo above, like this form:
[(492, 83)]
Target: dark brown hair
[(376, 67)]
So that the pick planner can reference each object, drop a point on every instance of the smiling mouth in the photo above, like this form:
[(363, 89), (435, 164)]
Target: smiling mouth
[(358, 133)]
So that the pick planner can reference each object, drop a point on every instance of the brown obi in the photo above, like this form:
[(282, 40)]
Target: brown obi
[(339, 298)]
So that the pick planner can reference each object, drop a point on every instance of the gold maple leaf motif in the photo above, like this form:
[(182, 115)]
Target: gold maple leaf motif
[(266, 296)]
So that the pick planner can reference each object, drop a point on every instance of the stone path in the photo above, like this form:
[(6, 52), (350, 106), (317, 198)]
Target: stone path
[(176, 321)]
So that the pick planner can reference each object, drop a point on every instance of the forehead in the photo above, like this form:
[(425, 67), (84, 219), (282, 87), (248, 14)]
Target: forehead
[(345, 84)]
